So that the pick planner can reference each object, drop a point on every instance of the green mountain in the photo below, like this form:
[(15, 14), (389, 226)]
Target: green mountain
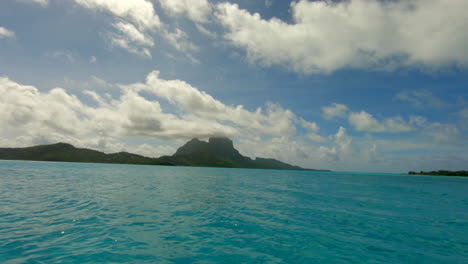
[(217, 152), (68, 153), (220, 152)]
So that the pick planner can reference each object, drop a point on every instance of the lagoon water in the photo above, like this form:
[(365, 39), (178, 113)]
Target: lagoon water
[(98, 213)]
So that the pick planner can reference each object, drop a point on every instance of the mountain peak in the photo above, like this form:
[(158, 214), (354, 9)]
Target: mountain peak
[(62, 145), (221, 141), (217, 145), (220, 151)]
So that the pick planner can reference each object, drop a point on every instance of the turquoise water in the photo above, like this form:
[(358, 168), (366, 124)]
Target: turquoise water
[(91, 213)]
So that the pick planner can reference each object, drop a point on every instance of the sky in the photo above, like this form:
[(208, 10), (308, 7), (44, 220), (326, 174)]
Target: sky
[(351, 85)]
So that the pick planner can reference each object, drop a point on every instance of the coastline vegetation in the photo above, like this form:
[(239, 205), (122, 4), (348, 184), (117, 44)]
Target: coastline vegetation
[(461, 173)]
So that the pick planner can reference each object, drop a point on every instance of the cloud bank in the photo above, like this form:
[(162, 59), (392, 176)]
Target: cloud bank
[(57, 115), (135, 112), (326, 36)]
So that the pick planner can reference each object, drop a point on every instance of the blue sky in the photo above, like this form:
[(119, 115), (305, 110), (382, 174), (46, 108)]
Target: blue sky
[(355, 85)]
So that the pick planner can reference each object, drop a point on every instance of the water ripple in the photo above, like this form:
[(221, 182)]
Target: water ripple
[(88, 213)]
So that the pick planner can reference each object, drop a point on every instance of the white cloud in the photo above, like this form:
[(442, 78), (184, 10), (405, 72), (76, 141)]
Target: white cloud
[(131, 39), (135, 21), (134, 113), (342, 147), (5, 33), (124, 43), (364, 121), (335, 110), (312, 129), (92, 59), (139, 12), (40, 2), (420, 99), (133, 34), (326, 36), (342, 140), (30, 116), (197, 10), (273, 121), (282, 148), (34, 116), (310, 126), (179, 40)]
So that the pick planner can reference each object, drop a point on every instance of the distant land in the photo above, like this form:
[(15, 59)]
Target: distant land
[(217, 152), (441, 173)]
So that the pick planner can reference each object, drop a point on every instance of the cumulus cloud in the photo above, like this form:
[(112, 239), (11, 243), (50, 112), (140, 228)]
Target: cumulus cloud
[(334, 111), (30, 116), (312, 130), (135, 21), (310, 126), (341, 148), (197, 10), (273, 120), (364, 121), (325, 36), (5, 33), (57, 115)]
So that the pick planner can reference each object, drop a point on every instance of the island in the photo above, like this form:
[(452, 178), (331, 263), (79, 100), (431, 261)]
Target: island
[(217, 152), (441, 173)]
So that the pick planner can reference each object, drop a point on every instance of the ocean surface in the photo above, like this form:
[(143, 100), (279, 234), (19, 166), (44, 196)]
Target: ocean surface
[(95, 213)]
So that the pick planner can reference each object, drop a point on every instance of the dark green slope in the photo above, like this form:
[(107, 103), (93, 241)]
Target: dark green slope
[(262, 163), (200, 159), (68, 153), (217, 152), (220, 152)]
